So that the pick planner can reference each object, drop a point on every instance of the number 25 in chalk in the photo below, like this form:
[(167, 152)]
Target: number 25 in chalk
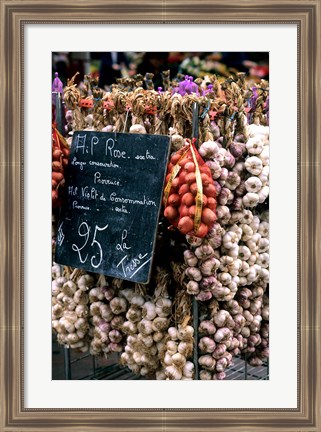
[(84, 231)]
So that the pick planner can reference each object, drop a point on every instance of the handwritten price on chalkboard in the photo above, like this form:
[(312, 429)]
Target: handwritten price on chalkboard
[(84, 231)]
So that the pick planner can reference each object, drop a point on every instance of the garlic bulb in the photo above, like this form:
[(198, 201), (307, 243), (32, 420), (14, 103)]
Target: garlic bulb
[(233, 180), (265, 155), (134, 314), (179, 360), (69, 288), (188, 370), (137, 300), (177, 142), (193, 273), (254, 145), (263, 229), (173, 333), (204, 252), (185, 348), (205, 375), (209, 149), (163, 307), (145, 327), (206, 345), (192, 287), (160, 375), (171, 347), (253, 184), (85, 282), (190, 258), (207, 362), (263, 193), (149, 310), (185, 333), (254, 165), (160, 324), (118, 305), (137, 129), (251, 199), (230, 240), (173, 372)]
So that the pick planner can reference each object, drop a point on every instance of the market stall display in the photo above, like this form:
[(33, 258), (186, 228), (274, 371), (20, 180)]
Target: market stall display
[(212, 237)]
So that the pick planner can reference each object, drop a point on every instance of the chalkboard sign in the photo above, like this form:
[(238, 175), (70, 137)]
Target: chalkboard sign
[(109, 217)]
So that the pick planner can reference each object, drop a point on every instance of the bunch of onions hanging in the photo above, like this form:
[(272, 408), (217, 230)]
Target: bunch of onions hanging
[(60, 159), (189, 194)]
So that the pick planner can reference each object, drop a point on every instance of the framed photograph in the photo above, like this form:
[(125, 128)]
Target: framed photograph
[(290, 32)]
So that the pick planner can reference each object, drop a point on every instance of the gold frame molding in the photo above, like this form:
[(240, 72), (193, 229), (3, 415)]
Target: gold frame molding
[(14, 15)]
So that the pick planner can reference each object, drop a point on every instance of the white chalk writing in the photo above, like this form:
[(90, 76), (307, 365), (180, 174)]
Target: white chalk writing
[(75, 205), (84, 231), (146, 156), (105, 181), (123, 245), (80, 143), (60, 236), (77, 162), (144, 201), (112, 152), (104, 164), (131, 267)]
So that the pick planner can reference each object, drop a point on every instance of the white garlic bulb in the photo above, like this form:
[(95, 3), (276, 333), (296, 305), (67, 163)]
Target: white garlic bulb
[(263, 193), (254, 165), (173, 372), (254, 145), (265, 155), (251, 199), (230, 239), (253, 184)]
